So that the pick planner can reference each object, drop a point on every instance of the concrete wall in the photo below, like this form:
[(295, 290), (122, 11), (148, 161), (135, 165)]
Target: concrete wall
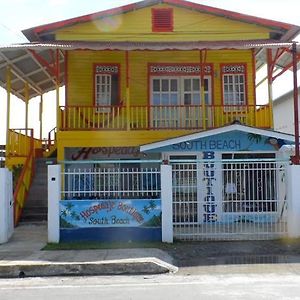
[(283, 110)]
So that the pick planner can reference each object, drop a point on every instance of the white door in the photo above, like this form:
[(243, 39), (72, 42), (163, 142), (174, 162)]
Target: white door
[(176, 101)]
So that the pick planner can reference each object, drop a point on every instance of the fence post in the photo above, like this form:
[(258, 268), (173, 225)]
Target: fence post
[(166, 203), (54, 196), (293, 201), (6, 206)]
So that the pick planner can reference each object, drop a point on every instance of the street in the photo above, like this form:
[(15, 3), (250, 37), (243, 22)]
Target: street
[(281, 283)]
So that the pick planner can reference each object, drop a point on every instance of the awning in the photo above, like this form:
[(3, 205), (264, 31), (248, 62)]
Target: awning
[(35, 62)]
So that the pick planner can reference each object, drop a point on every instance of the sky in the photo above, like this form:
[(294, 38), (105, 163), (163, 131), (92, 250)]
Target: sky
[(16, 15)]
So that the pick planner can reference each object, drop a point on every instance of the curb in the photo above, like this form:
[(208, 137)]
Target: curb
[(114, 267)]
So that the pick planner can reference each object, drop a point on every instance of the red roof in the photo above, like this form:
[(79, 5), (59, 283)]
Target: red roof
[(33, 33)]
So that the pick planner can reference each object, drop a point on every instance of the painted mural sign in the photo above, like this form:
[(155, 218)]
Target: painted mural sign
[(110, 213), (86, 153), (229, 141)]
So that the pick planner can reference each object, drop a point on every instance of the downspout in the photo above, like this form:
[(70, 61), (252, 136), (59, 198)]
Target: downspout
[(296, 159)]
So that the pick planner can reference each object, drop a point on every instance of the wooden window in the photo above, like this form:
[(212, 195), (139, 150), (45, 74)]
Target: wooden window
[(234, 87), (162, 19), (106, 86)]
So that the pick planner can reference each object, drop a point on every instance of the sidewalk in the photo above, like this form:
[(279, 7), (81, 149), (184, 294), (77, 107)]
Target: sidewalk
[(22, 256)]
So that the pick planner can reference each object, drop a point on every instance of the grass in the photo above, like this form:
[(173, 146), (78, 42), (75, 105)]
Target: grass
[(103, 245)]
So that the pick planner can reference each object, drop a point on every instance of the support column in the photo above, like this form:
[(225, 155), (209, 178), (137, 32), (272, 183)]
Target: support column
[(41, 117), (270, 85), (293, 201), (296, 158), (166, 203), (128, 121), (203, 104), (54, 196), (26, 93), (57, 90), (8, 91)]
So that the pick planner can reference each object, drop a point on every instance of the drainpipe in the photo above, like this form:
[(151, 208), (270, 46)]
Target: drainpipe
[(296, 159)]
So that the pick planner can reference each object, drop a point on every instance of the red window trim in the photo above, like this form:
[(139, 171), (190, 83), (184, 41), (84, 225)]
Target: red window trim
[(234, 73), (169, 26), (106, 72)]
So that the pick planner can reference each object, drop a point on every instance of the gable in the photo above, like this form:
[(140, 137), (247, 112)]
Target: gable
[(188, 25), (227, 139)]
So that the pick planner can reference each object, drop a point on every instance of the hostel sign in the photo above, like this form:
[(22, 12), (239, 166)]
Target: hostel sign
[(110, 213)]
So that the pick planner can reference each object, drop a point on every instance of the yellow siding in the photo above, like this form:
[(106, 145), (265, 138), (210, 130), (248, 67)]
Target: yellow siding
[(188, 25), (80, 71)]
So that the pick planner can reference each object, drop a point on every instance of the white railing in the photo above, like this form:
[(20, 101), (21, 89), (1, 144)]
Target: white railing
[(111, 183), (229, 200)]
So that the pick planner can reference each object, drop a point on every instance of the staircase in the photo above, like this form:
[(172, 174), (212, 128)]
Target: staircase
[(36, 205)]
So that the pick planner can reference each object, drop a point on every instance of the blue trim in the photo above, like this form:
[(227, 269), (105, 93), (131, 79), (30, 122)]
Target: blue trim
[(109, 234)]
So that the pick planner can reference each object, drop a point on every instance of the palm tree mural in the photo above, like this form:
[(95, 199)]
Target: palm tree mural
[(68, 211), (151, 206), (254, 138)]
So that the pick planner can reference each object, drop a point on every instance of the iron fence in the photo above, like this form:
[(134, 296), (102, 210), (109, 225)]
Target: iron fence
[(229, 200)]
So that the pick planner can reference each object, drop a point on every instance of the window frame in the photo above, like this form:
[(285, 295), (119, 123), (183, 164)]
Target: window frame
[(103, 69), (234, 70)]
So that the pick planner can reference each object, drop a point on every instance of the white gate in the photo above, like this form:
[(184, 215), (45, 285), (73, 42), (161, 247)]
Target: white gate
[(229, 199)]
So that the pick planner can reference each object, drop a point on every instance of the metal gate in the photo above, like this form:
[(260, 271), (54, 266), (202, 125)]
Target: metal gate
[(229, 199)]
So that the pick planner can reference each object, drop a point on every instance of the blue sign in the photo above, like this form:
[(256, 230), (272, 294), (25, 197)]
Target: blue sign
[(227, 142), (110, 213)]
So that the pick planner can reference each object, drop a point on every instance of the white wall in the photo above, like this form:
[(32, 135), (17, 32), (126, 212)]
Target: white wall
[(283, 111)]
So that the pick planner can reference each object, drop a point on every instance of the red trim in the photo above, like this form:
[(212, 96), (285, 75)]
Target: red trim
[(254, 75), (66, 77), (162, 19), (52, 70), (127, 68), (57, 67), (106, 73), (142, 4), (233, 73), (270, 65)]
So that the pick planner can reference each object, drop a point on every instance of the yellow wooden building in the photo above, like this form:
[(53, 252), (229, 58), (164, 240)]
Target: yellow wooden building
[(143, 73)]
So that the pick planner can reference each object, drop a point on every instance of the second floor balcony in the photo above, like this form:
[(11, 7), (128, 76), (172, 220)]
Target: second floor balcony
[(162, 117)]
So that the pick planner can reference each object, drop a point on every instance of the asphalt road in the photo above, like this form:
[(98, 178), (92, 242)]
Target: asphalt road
[(245, 284)]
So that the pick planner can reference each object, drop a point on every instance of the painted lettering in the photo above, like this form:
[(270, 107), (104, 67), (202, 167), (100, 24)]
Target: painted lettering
[(115, 220), (106, 205), (209, 178), (86, 153), (131, 211)]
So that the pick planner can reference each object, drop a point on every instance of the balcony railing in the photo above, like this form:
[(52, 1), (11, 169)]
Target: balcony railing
[(173, 117)]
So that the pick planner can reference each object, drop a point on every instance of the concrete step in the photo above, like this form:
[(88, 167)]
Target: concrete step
[(36, 206), (34, 214)]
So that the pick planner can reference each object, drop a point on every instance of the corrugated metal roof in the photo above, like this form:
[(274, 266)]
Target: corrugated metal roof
[(25, 66)]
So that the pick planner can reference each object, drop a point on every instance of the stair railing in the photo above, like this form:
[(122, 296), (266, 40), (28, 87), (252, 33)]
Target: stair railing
[(24, 180)]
